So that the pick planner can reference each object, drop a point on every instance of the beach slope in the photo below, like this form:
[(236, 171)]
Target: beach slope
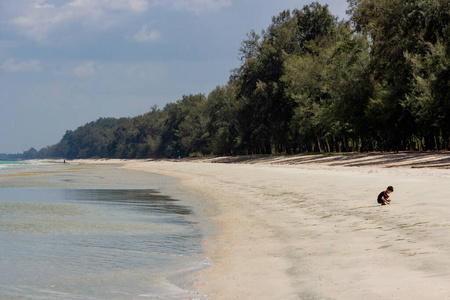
[(315, 231)]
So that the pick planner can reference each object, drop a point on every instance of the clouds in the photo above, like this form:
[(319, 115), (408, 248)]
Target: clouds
[(199, 6), (118, 5), (146, 35), (85, 69), (38, 19), (67, 62), (11, 65), (45, 20)]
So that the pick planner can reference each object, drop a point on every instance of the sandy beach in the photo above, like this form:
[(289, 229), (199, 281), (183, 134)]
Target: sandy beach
[(309, 227)]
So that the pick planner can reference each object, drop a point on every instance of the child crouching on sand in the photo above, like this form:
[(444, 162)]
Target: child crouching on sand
[(383, 197)]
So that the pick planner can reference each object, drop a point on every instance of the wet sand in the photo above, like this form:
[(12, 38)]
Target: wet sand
[(309, 227)]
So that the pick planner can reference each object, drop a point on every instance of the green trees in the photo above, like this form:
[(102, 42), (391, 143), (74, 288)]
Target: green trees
[(178, 130), (186, 127), (266, 103), (30, 154), (305, 85), (90, 140), (409, 59), (222, 125), (308, 83), (332, 88)]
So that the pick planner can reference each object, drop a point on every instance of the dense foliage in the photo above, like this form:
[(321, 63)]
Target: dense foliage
[(308, 83)]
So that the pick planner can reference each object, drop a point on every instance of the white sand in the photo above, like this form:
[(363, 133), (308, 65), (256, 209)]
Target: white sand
[(314, 231)]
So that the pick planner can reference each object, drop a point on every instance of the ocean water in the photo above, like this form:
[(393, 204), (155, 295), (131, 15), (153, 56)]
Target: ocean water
[(96, 232), (12, 165)]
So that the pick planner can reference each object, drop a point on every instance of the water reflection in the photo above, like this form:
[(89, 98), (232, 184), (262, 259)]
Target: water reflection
[(94, 244), (148, 200)]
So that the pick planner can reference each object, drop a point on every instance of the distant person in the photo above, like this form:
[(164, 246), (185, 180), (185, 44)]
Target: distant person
[(383, 197)]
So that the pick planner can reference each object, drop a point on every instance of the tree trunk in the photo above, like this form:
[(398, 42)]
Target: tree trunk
[(318, 143)]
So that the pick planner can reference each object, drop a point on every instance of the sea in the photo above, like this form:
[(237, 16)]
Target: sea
[(71, 231)]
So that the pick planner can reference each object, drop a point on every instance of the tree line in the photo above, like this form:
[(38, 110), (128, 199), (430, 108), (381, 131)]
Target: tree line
[(308, 83)]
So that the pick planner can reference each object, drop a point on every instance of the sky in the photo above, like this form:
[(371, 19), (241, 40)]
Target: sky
[(64, 63)]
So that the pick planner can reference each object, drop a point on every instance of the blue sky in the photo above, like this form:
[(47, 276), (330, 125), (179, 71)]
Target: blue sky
[(64, 63)]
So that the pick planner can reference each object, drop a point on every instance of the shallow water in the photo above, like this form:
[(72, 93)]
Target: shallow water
[(95, 233)]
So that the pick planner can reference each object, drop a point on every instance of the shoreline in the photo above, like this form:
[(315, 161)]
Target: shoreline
[(233, 262), (289, 229), (123, 220)]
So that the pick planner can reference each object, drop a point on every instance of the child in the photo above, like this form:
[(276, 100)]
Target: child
[(383, 197)]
